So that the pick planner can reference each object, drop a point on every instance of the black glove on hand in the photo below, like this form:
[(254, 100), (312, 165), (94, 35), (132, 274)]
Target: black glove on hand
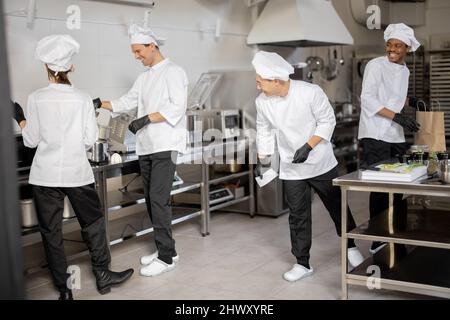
[(302, 154), (97, 103), (18, 112), (406, 122), (258, 172), (138, 124)]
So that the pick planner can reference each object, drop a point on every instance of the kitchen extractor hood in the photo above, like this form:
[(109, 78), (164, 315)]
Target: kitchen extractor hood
[(299, 23)]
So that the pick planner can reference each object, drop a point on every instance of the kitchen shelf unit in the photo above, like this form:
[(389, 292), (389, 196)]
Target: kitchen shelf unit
[(416, 258)]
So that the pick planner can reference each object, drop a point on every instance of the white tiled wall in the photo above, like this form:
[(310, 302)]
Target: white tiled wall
[(105, 66)]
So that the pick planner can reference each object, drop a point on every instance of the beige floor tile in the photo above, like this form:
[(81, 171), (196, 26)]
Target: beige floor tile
[(242, 258), (307, 291)]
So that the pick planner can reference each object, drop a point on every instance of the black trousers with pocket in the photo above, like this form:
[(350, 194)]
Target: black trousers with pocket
[(86, 205), (375, 151), (298, 196), (157, 171)]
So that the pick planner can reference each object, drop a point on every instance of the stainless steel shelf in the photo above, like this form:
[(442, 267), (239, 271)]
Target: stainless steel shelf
[(218, 178), (421, 271), (118, 200), (187, 186), (179, 215), (229, 203), (429, 228)]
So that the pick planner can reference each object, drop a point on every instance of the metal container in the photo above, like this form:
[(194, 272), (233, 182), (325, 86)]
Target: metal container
[(99, 151), (104, 132), (444, 171), (208, 125), (232, 167), (29, 217), (347, 109), (68, 210)]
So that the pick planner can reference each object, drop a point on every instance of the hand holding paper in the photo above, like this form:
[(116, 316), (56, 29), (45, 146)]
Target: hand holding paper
[(267, 176)]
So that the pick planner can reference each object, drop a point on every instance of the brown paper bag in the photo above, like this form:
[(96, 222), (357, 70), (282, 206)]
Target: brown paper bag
[(432, 130)]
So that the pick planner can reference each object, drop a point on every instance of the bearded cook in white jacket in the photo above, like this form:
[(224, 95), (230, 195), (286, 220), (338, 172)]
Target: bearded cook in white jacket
[(382, 123), (60, 122), (298, 116)]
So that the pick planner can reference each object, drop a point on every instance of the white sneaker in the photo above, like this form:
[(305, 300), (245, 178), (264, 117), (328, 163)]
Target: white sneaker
[(156, 267), (355, 257), (297, 272), (145, 260)]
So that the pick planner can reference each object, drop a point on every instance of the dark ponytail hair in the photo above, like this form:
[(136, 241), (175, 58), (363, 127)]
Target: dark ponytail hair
[(62, 76)]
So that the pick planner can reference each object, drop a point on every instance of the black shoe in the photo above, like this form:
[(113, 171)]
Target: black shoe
[(376, 246), (107, 278), (65, 295)]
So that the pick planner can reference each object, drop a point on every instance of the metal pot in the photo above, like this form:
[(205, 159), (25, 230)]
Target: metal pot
[(29, 217), (347, 109), (99, 151), (68, 210)]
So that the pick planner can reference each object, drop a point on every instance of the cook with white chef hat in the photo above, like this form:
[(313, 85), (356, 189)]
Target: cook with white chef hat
[(60, 122), (382, 122), (160, 96), (299, 118)]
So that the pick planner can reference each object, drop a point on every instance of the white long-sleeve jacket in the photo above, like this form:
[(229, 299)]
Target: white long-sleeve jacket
[(293, 120), (385, 84), (162, 88), (61, 123)]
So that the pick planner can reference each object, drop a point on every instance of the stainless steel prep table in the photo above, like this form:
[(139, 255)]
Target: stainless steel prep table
[(423, 270), (203, 154)]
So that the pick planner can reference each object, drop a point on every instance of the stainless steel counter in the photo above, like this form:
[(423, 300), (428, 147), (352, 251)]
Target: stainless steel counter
[(425, 267), (204, 155)]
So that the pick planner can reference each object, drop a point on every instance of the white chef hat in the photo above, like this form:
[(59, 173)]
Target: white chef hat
[(270, 65), (141, 35), (402, 32), (56, 51)]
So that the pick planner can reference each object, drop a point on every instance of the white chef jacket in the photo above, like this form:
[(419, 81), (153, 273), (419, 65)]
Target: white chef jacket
[(61, 123), (385, 84), (162, 88), (293, 120)]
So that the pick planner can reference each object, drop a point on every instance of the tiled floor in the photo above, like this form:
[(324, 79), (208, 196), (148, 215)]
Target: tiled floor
[(242, 258)]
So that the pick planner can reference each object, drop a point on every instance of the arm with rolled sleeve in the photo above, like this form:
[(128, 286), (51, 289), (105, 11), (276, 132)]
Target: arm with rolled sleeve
[(31, 132), (90, 126), (369, 94), (324, 114), (128, 101), (265, 140), (177, 84)]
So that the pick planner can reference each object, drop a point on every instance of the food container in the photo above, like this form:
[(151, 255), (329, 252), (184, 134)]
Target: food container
[(404, 158)]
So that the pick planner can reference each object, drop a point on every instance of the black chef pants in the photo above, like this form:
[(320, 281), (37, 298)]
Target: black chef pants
[(376, 151), (86, 205), (298, 196), (157, 171)]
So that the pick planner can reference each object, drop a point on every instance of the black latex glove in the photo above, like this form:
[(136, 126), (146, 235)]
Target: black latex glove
[(302, 154), (258, 171), (18, 112), (138, 124), (406, 122), (97, 103)]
